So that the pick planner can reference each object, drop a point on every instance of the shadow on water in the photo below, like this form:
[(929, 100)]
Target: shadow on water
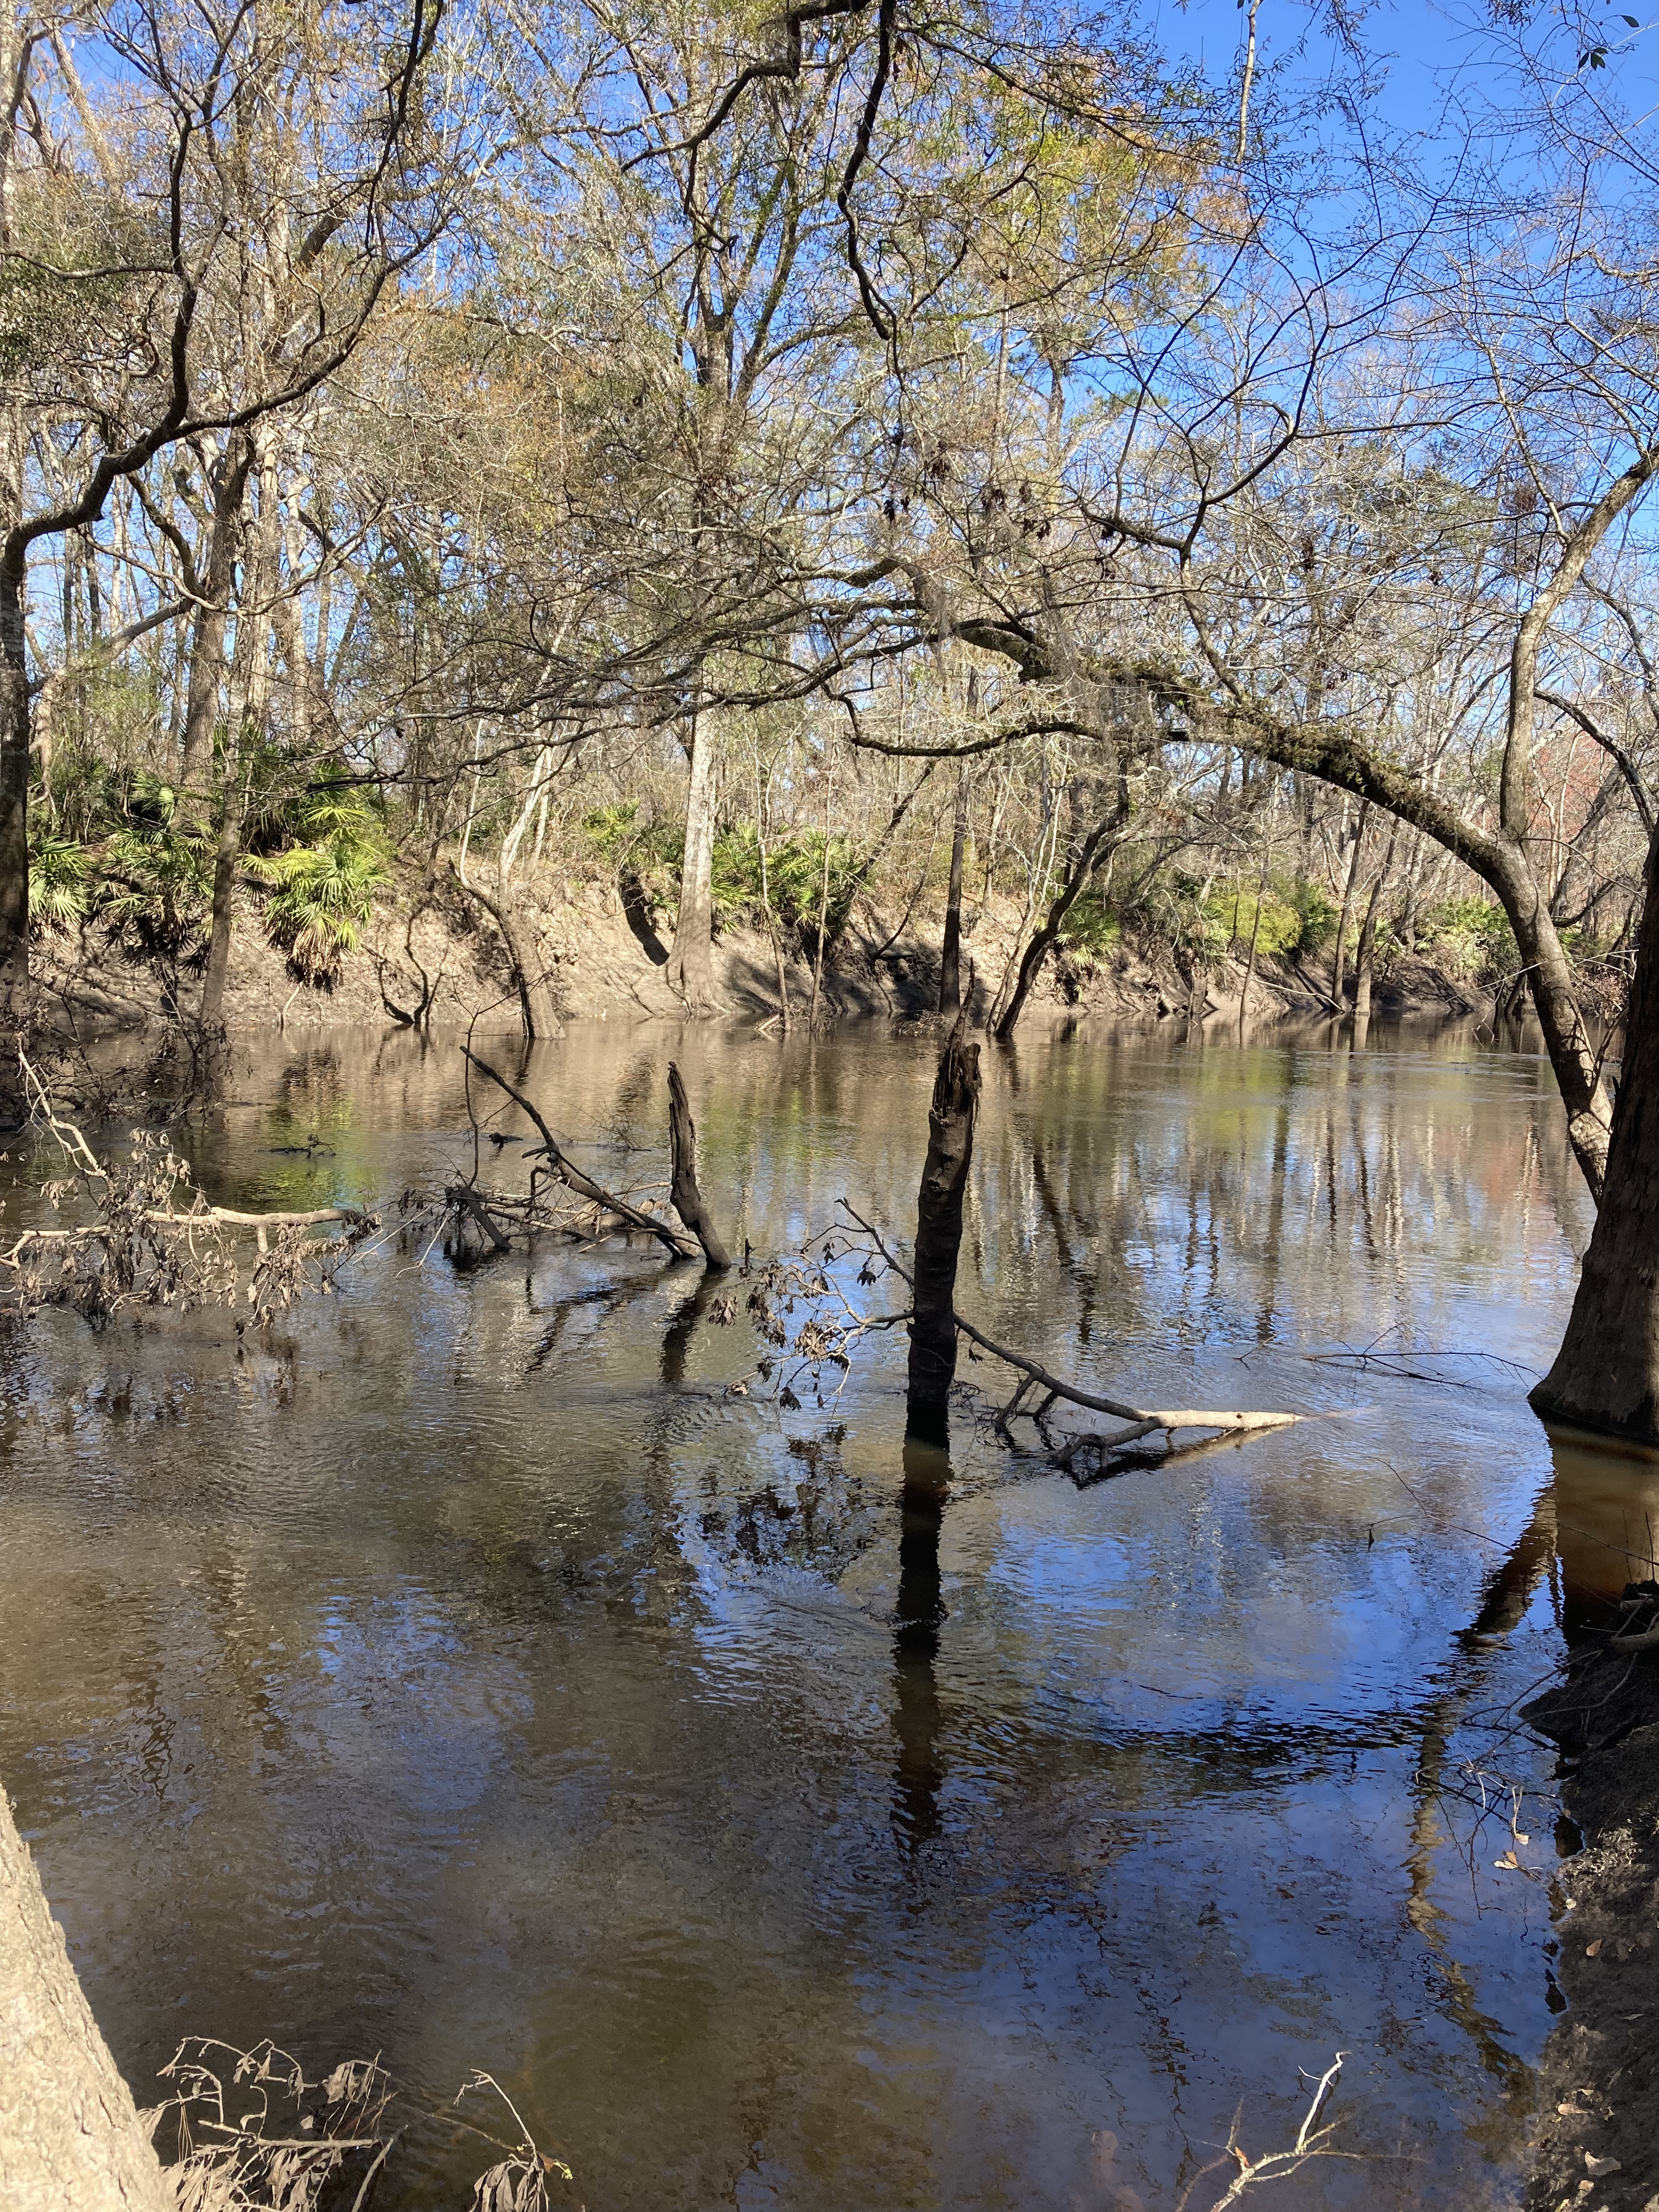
[(483, 1680), (1606, 1513)]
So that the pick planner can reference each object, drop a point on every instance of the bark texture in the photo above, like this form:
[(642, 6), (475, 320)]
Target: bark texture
[(15, 723), (691, 963), (938, 1239), (1096, 849), (687, 1196), (1606, 1376), (69, 2138), (950, 969)]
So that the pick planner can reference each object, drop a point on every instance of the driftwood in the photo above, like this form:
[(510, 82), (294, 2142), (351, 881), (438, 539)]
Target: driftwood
[(687, 1197), (1145, 1420), (571, 1177), (465, 1200), (938, 1239)]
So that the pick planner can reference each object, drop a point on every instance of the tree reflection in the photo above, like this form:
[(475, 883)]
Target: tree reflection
[(920, 1772)]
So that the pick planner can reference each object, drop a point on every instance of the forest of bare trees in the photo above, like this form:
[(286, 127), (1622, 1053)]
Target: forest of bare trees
[(773, 465)]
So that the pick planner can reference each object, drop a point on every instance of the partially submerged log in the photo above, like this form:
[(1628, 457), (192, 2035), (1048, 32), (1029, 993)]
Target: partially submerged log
[(70, 2134), (571, 1176), (1144, 1421), (688, 1202), (938, 1239)]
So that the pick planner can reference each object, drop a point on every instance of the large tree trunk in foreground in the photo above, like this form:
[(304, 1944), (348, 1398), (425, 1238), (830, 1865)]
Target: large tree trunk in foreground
[(691, 963), (1605, 1375), (69, 2138), (13, 802), (938, 1239)]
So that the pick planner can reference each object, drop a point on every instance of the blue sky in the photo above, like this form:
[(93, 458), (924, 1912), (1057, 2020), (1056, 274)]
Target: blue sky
[(1428, 56)]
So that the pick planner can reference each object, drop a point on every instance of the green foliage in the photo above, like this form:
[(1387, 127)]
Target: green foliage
[(1234, 915), (155, 878), (1092, 928), (1318, 915), (648, 852), (60, 868), (1169, 912), (1472, 939), (794, 879), (323, 892)]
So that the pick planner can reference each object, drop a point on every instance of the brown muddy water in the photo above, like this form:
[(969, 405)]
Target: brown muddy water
[(461, 1675)]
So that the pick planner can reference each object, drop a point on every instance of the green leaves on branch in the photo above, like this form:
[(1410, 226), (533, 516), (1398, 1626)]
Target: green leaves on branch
[(59, 869), (323, 893)]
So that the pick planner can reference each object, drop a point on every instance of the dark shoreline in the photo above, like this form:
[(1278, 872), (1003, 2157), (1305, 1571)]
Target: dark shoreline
[(1598, 2077)]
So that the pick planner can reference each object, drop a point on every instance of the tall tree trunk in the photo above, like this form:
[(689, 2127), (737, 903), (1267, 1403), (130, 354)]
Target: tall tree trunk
[(1255, 939), (938, 1239), (1102, 840), (691, 963), (949, 967), (535, 1011), (1574, 1059), (210, 628), (1605, 1375), (823, 911), (1340, 956), (14, 720), (1364, 960), (227, 853), (250, 698), (69, 2134)]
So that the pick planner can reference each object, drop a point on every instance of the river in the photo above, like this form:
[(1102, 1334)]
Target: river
[(462, 1674)]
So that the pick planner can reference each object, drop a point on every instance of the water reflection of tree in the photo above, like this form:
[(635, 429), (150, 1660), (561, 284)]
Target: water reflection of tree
[(1508, 1593), (920, 1612)]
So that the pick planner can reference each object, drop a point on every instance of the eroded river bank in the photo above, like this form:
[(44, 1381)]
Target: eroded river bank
[(461, 1673)]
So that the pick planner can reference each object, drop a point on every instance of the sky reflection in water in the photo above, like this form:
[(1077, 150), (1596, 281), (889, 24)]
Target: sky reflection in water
[(787, 1822)]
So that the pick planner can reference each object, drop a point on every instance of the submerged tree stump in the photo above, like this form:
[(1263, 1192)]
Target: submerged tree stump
[(687, 1197), (938, 1239), (70, 2137), (1605, 1375)]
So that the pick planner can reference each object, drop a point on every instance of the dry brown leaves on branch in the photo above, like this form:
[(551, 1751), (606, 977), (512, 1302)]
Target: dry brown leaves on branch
[(248, 2133), (146, 1236)]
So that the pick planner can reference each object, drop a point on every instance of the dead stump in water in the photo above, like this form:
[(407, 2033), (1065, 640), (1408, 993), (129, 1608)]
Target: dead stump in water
[(688, 1202), (938, 1239)]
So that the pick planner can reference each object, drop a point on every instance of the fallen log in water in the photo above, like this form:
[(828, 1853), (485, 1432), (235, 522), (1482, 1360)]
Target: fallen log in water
[(1144, 1421)]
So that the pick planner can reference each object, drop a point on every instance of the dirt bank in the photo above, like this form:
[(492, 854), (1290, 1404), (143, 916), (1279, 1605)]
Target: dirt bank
[(600, 962)]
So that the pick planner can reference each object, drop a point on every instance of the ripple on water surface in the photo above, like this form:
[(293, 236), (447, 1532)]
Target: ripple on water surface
[(436, 1678)]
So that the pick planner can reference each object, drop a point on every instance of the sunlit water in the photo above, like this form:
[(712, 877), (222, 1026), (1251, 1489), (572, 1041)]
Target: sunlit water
[(461, 1675)]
